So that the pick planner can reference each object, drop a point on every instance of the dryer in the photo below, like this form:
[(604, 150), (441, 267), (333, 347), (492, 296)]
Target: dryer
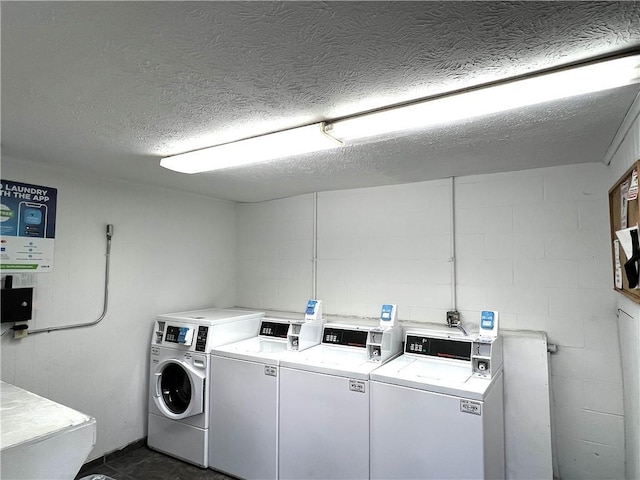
[(179, 375), (324, 401), (437, 411), (244, 395)]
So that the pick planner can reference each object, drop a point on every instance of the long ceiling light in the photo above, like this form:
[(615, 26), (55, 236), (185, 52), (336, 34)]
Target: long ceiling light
[(296, 141), (503, 96), (492, 99)]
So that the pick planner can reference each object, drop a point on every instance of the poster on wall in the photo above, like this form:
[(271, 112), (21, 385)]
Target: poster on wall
[(27, 227)]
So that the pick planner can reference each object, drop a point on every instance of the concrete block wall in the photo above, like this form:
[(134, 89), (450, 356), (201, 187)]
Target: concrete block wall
[(626, 153), (533, 245), (386, 245), (275, 264), (551, 258)]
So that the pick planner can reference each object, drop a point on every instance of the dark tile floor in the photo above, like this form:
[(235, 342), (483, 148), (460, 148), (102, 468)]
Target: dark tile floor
[(145, 464)]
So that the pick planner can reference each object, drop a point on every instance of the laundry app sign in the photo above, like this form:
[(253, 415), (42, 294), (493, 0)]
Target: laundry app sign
[(27, 227)]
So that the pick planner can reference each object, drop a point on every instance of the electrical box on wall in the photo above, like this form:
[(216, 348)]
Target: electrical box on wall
[(17, 304)]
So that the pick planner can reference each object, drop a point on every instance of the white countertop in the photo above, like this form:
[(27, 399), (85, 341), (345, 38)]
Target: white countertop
[(26, 417)]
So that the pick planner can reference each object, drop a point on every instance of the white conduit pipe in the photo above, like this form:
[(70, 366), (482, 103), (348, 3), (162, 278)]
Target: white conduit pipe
[(105, 304), (314, 254), (452, 259)]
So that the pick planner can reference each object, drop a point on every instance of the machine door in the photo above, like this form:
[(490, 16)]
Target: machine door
[(323, 426), (179, 389)]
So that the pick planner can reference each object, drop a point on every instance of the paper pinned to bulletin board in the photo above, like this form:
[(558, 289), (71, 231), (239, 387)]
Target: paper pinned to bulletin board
[(27, 227)]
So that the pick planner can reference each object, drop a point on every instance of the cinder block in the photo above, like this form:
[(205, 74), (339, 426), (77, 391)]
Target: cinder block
[(603, 397), (499, 190), (581, 301), (574, 183), (593, 216), (544, 273), (490, 273), (545, 217)]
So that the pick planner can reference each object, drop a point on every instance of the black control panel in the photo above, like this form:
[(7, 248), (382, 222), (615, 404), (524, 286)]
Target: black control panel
[(274, 329), (340, 336), (438, 347), (172, 334), (201, 339)]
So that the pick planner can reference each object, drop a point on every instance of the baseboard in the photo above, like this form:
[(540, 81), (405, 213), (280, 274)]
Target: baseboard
[(113, 455)]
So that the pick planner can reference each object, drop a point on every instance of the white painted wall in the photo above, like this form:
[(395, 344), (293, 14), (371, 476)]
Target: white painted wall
[(386, 245), (171, 251), (276, 243), (533, 245), (629, 313)]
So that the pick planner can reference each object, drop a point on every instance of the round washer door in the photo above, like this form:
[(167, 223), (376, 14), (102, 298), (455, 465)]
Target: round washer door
[(179, 389)]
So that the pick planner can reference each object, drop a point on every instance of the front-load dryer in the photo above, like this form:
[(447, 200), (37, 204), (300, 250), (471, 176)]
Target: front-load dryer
[(179, 375), (324, 402), (437, 411)]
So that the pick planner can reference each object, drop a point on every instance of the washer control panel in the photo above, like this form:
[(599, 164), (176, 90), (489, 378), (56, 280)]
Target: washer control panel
[(482, 354), (274, 329), (182, 335), (344, 336), (190, 337), (438, 347)]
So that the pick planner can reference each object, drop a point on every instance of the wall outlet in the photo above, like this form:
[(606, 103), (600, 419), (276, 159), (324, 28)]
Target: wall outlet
[(20, 333)]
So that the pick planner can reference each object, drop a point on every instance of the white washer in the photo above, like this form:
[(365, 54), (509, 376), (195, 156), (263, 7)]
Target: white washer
[(179, 374), (437, 410), (324, 402), (244, 398)]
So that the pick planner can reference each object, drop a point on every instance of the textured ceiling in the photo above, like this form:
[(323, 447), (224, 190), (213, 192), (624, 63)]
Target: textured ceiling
[(111, 87)]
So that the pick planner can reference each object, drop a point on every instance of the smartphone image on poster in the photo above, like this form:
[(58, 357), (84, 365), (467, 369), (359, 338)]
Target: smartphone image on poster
[(32, 219)]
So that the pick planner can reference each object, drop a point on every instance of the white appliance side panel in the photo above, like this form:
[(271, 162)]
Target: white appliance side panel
[(629, 337), (423, 435), (324, 427), (179, 440), (527, 409), (54, 457), (493, 417), (244, 425), (41, 438)]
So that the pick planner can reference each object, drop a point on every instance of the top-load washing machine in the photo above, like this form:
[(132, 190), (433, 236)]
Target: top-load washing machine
[(324, 400), (179, 375), (437, 410), (243, 433)]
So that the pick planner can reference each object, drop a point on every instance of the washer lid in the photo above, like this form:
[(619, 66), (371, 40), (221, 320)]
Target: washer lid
[(332, 360), (210, 315), (434, 375), (261, 350)]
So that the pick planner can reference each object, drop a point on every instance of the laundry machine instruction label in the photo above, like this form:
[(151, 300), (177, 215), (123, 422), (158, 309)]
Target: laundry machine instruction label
[(469, 406), (356, 386)]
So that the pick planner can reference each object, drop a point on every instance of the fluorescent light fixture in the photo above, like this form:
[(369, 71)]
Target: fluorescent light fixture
[(514, 94), (471, 103), (286, 143)]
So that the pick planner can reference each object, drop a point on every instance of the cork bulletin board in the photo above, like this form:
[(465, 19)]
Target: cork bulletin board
[(624, 217)]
